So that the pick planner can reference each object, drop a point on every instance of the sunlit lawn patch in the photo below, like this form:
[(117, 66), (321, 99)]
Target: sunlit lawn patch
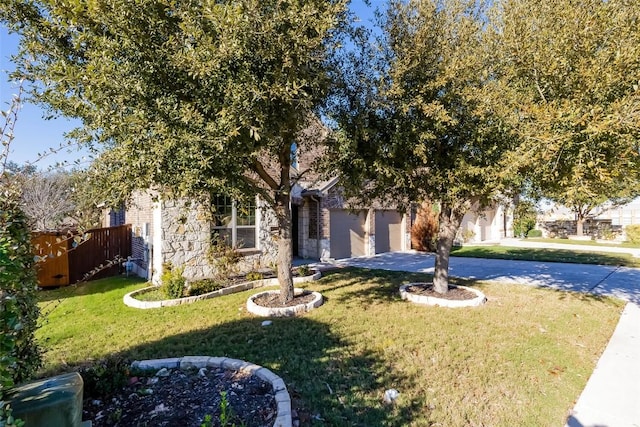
[(547, 255), (521, 359)]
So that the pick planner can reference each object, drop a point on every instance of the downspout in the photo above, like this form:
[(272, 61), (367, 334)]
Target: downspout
[(312, 197)]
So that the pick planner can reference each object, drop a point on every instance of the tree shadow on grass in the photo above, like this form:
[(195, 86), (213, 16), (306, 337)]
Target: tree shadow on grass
[(88, 288), (368, 286), (331, 382)]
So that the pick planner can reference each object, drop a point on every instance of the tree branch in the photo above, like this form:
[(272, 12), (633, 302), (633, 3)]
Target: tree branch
[(264, 175)]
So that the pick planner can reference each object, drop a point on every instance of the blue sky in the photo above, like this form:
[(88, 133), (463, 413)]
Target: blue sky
[(34, 134)]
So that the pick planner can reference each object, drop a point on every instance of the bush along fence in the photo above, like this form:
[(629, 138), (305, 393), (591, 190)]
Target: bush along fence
[(67, 258)]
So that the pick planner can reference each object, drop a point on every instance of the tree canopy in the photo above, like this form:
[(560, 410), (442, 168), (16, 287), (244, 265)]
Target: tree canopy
[(417, 117), (571, 75), (195, 96)]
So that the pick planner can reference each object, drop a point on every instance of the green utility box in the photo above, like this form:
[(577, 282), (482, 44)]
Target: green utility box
[(54, 401)]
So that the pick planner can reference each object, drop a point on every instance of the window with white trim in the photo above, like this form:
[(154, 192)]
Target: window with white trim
[(234, 223)]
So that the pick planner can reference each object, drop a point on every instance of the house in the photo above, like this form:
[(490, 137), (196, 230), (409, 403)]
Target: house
[(492, 224), (324, 227)]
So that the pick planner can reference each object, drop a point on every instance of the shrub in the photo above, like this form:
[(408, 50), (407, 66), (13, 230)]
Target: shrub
[(606, 233), (633, 233), (203, 286), (524, 219), (20, 355), (225, 259), (534, 233), (105, 377), (468, 235), (254, 275), (304, 270), (424, 232), (173, 282)]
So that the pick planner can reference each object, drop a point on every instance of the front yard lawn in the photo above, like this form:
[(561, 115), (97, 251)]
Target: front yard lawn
[(522, 359), (547, 255)]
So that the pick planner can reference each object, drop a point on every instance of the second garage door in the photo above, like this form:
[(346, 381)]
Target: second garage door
[(388, 231), (347, 233)]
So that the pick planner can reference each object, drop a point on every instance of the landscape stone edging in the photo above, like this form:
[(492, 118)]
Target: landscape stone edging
[(259, 310), (282, 398), (434, 301), (130, 301)]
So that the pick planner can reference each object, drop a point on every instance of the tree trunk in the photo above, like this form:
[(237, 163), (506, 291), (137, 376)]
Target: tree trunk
[(285, 253), (580, 225), (450, 220)]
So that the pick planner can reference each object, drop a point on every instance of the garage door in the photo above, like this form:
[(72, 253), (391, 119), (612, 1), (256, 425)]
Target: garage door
[(388, 231), (347, 233)]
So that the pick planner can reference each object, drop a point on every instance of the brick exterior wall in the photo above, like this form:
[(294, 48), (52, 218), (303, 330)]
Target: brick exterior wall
[(139, 213)]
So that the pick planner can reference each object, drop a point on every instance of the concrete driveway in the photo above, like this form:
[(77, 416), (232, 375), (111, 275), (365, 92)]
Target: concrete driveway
[(621, 282)]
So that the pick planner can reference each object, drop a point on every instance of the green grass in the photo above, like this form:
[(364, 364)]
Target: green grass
[(549, 255), (522, 359), (611, 244)]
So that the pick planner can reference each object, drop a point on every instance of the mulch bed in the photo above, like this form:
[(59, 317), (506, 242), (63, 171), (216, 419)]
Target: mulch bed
[(272, 300), (455, 293), (178, 397)]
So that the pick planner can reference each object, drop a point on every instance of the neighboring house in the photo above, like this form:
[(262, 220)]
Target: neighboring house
[(493, 224), (603, 222)]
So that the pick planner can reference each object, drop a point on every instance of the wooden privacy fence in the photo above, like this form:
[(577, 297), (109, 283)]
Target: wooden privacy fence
[(66, 258)]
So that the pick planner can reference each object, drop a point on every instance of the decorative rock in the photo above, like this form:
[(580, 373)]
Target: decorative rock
[(390, 395), (164, 372), (130, 300), (282, 398), (259, 310), (442, 302)]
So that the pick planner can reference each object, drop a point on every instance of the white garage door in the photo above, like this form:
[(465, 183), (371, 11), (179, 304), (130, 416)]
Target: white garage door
[(347, 233), (388, 231)]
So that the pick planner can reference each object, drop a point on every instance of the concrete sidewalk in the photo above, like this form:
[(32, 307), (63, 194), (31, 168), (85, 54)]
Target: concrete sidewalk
[(612, 395)]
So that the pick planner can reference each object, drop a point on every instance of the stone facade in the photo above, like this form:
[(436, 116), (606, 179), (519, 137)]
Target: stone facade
[(186, 237), (186, 241), (595, 228)]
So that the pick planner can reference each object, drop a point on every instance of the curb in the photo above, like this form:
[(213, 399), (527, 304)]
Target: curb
[(259, 310), (442, 302), (283, 400), (130, 300)]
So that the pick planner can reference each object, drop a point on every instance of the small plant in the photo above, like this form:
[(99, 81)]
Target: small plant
[(115, 416), (6, 417), (207, 422), (633, 233), (254, 275), (173, 282), (227, 416), (304, 270), (468, 235), (534, 233), (105, 377), (203, 286), (225, 259)]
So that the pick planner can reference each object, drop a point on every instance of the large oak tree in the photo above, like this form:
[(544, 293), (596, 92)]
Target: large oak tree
[(196, 96), (416, 118), (571, 75)]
